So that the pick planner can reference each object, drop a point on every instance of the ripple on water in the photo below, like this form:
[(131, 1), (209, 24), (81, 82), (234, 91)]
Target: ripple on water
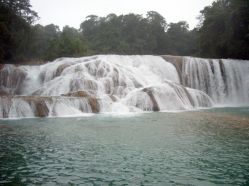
[(195, 148)]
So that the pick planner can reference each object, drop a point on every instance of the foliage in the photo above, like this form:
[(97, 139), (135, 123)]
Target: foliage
[(21, 9), (223, 32), (127, 34), (15, 20), (42, 39)]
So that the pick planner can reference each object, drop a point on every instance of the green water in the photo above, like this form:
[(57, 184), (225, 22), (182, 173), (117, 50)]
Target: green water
[(209, 147)]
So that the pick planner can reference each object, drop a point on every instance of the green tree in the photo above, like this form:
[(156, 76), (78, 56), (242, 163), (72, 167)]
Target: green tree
[(20, 8), (125, 34), (15, 19), (42, 39), (157, 37), (182, 41), (213, 38), (71, 44), (134, 32), (239, 33), (224, 30)]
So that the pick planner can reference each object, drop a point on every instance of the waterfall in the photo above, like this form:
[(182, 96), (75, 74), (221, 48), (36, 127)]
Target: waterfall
[(225, 81), (120, 84)]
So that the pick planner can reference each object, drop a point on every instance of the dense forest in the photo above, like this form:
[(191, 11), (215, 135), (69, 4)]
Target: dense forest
[(222, 32)]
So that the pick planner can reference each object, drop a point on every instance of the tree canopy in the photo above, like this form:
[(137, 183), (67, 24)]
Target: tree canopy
[(15, 19), (223, 32)]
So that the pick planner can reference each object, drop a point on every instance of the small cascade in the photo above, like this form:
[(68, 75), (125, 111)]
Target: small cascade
[(100, 75), (40, 106), (120, 84), (11, 80), (225, 81), (168, 96)]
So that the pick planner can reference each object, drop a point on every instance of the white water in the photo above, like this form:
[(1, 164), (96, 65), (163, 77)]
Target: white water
[(225, 81), (118, 84)]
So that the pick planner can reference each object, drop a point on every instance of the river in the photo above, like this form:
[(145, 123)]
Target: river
[(202, 147)]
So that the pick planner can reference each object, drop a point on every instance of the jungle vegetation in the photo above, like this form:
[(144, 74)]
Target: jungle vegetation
[(222, 32)]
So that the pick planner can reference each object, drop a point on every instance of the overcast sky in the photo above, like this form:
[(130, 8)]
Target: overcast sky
[(73, 12)]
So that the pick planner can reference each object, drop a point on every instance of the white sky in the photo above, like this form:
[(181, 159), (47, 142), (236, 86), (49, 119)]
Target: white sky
[(73, 12)]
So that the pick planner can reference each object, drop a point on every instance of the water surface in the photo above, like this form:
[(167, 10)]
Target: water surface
[(207, 147)]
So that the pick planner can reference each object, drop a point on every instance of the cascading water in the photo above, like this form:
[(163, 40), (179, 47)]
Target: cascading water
[(119, 84), (225, 81)]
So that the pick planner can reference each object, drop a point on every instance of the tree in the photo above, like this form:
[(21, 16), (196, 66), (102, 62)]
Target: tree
[(157, 26), (20, 8), (213, 41), (42, 41), (224, 30), (15, 19), (125, 34), (239, 20), (182, 41), (70, 43), (134, 32)]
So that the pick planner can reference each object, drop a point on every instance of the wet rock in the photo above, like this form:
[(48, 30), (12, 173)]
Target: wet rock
[(115, 77), (94, 104), (177, 61), (113, 98), (152, 98), (60, 69), (93, 101), (41, 109), (12, 79), (83, 84), (76, 94), (5, 104), (39, 104), (177, 89), (223, 74), (3, 92), (42, 76), (1, 66)]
